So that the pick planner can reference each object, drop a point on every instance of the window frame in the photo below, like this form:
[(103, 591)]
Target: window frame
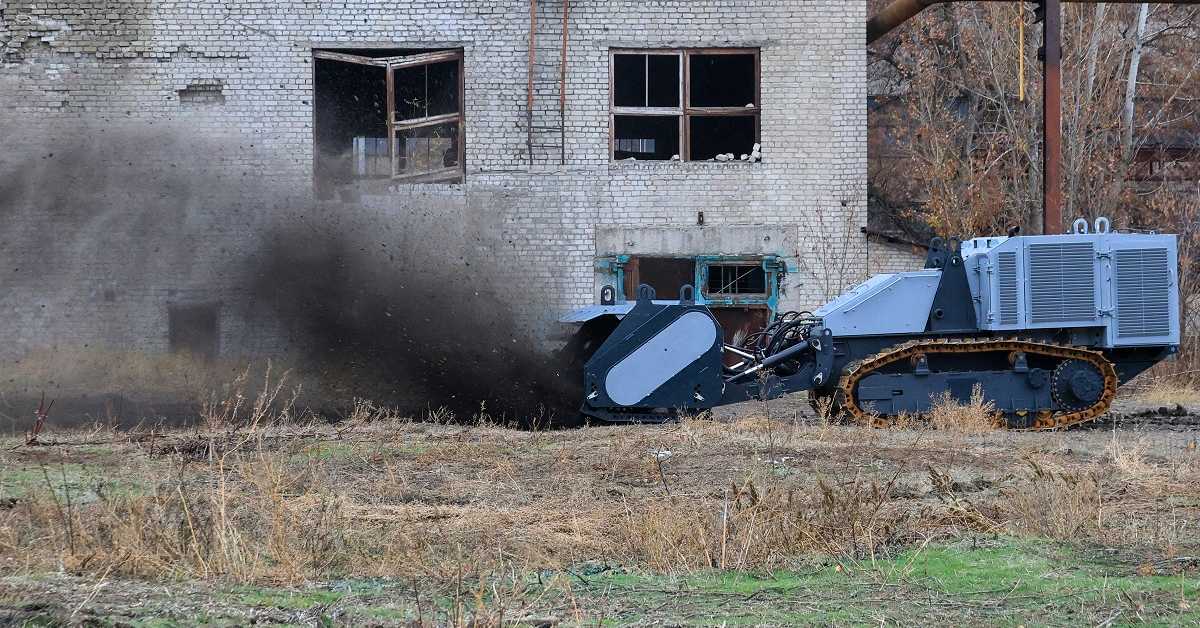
[(775, 269), (685, 111), (396, 125), (704, 274)]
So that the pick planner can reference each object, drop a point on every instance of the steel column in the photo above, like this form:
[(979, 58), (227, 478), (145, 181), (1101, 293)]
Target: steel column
[(1052, 155)]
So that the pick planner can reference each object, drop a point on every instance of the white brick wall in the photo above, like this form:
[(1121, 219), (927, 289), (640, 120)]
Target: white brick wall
[(894, 257), (110, 65)]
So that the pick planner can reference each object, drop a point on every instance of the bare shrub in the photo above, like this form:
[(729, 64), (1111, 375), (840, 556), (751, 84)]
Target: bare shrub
[(233, 409), (976, 416)]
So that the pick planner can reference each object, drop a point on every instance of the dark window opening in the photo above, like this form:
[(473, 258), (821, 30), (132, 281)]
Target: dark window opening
[(738, 323), (193, 329), (646, 137), (665, 274), (350, 122), (426, 90), (716, 135), (720, 116), (646, 80), (413, 134), (723, 80), (736, 279)]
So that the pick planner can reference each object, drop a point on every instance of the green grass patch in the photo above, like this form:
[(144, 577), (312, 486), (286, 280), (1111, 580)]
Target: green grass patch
[(281, 598), (81, 483), (329, 451), (1002, 582), (1027, 567)]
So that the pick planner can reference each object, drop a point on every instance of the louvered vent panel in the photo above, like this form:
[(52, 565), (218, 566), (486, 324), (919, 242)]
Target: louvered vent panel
[(1143, 293), (1062, 282), (1006, 287)]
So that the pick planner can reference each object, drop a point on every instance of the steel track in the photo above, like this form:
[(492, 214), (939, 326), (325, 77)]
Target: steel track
[(847, 400)]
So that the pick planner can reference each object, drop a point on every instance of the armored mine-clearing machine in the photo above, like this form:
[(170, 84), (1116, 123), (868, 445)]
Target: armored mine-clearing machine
[(1045, 327)]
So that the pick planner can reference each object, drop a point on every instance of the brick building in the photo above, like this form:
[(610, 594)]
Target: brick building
[(474, 142)]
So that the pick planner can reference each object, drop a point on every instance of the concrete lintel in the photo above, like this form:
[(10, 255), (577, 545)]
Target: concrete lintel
[(668, 241)]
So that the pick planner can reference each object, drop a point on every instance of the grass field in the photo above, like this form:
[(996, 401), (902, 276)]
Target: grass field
[(765, 517)]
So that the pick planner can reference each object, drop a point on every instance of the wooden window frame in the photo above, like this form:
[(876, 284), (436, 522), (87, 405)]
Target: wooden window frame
[(684, 111), (397, 125)]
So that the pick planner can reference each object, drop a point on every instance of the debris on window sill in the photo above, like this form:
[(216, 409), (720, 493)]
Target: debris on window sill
[(733, 161)]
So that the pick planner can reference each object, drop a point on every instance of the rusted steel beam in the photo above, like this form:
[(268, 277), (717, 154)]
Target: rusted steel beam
[(901, 11), (1052, 156)]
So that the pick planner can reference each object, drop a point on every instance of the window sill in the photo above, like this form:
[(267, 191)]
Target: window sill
[(665, 164)]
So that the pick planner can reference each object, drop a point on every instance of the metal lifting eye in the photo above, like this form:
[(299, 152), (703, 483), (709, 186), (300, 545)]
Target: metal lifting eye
[(608, 295), (687, 294)]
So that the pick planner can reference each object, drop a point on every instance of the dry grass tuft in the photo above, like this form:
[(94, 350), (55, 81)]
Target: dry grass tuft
[(256, 496), (977, 416), (1128, 457), (1169, 392), (1053, 502), (755, 528)]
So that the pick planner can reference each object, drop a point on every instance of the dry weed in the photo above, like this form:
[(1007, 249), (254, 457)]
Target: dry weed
[(235, 410), (906, 422), (1129, 458), (762, 529), (383, 496), (1052, 502), (364, 412), (1169, 391), (976, 416)]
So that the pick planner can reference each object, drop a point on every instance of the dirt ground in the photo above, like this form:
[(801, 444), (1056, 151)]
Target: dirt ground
[(760, 515)]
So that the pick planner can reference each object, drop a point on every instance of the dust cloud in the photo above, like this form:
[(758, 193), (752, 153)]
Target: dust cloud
[(109, 225)]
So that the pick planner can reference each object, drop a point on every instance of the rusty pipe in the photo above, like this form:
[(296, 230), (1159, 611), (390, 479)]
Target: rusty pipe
[(901, 11), (895, 14)]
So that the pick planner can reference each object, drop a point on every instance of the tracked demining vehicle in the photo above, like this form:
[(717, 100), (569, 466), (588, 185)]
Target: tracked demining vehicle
[(1045, 327)]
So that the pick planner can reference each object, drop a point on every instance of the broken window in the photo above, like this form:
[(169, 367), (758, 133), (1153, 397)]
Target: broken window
[(665, 274), (388, 114), (735, 279), (740, 292), (691, 104)]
